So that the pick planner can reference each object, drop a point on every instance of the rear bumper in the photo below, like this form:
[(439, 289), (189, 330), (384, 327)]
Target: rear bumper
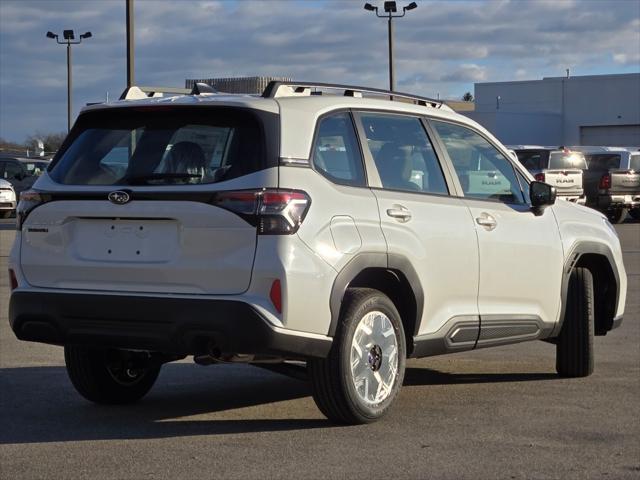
[(612, 200), (573, 198), (177, 325)]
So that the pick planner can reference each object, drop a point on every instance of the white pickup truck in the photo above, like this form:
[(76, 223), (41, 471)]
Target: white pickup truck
[(558, 166)]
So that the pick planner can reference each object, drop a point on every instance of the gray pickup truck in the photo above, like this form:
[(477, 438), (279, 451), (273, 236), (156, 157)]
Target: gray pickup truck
[(612, 181)]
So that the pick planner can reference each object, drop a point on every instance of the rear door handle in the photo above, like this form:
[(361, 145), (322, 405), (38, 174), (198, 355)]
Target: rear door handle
[(487, 221), (399, 212)]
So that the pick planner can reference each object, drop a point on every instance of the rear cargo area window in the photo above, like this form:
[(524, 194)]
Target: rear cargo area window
[(161, 146)]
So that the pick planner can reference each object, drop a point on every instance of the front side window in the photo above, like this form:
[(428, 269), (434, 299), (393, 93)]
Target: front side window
[(483, 171), (149, 147), (634, 162), (403, 154), (336, 153)]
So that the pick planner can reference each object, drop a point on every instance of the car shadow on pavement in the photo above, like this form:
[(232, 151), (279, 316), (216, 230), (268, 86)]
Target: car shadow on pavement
[(39, 404), (425, 376)]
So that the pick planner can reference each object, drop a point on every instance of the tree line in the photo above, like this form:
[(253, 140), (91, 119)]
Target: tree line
[(51, 143)]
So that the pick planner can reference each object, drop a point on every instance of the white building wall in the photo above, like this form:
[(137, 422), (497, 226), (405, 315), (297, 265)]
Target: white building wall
[(552, 110)]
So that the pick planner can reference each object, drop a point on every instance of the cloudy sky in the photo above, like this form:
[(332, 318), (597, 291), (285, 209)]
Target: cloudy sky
[(442, 47)]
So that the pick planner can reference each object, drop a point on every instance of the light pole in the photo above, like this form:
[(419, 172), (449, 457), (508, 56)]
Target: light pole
[(390, 8), (69, 39)]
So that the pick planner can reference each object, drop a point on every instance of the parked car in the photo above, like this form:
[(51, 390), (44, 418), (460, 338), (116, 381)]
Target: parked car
[(613, 184), (14, 171), (7, 199), (347, 231), (557, 166)]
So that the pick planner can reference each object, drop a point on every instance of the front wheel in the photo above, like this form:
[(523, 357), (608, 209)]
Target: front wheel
[(635, 213), (110, 376), (7, 213), (574, 347), (360, 379)]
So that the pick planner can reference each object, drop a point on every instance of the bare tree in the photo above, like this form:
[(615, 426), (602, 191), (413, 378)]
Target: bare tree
[(467, 97), (51, 141)]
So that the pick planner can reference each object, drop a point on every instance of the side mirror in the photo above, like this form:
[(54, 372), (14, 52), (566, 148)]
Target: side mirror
[(541, 195)]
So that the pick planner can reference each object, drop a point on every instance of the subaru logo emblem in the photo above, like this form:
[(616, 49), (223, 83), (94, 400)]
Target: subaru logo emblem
[(119, 197)]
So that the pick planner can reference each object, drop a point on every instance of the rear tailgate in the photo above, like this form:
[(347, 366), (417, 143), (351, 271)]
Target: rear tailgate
[(143, 246), (567, 182), (624, 182)]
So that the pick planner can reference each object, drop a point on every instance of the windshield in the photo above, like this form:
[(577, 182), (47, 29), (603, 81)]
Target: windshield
[(565, 160), (151, 146)]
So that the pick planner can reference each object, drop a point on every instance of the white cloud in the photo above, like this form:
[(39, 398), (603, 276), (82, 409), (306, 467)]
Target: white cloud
[(440, 47)]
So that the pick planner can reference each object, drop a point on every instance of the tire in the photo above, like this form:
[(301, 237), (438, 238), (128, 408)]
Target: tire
[(574, 348), (110, 376), (635, 213), (341, 382), (617, 216), (7, 214)]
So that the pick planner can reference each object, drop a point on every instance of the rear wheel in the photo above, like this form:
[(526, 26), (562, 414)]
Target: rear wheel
[(635, 213), (574, 348), (7, 214), (110, 376), (360, 379), (617, 216)]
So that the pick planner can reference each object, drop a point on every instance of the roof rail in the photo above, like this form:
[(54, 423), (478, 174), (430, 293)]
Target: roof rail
[(283, 89)]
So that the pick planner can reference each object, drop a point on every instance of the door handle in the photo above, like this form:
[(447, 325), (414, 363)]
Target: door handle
[(399, 212), (487, 221)]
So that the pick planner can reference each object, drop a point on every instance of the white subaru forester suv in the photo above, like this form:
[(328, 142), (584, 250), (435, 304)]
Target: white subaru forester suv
[(323, 224)]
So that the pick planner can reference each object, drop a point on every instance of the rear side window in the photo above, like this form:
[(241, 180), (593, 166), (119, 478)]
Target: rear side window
[(634, 162), (336, 153), (160, 146), (605, 161), (483, 171), (403, 154)]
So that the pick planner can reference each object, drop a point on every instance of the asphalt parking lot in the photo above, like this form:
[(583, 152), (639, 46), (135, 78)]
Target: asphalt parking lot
[(495, 413)]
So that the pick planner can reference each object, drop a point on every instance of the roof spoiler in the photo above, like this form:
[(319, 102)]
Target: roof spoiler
[(138, 92)]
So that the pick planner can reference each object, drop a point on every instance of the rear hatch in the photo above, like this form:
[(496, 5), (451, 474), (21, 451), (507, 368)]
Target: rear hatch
[(564, 172), (139, 200)]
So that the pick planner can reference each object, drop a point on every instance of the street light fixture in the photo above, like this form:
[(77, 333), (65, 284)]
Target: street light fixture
[(69, 39), (390, 12)]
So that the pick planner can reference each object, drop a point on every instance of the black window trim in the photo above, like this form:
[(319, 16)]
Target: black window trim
[(507, 157), (311, 155)]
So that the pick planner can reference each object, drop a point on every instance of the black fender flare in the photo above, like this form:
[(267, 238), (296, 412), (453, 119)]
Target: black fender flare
[(577, 251), (363, 261)]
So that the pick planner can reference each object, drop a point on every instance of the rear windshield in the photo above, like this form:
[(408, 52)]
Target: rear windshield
[(533, 159), (565, 160), (603, 161), (162, 146), (634, 162)]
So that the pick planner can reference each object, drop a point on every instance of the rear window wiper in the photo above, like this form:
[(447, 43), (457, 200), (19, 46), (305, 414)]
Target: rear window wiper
[(142, 179)]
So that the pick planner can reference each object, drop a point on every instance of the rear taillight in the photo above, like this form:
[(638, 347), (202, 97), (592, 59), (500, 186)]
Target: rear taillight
[(29, 199), (605, 182), (273, 212), (539, 177), (275, 294)]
